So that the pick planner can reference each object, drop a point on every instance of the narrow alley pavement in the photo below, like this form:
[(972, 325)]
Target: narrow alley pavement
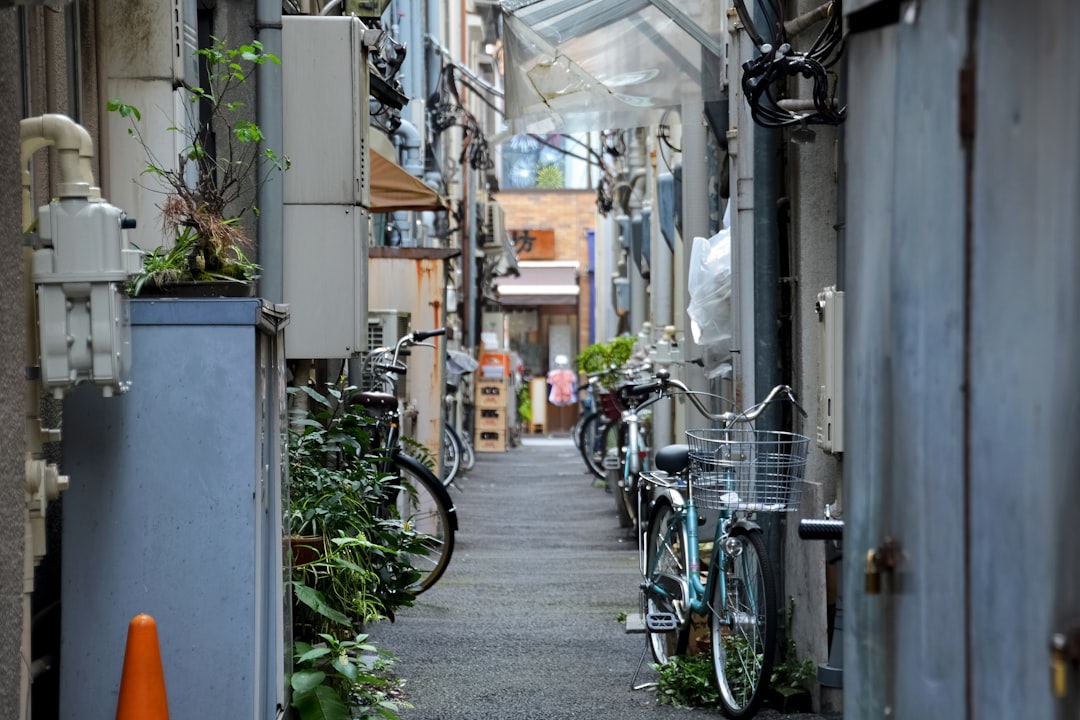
[(525, 623)]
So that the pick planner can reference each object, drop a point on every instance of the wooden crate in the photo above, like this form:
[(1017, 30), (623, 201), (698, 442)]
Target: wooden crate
[(491, 394), (491, 441), (490, 418)]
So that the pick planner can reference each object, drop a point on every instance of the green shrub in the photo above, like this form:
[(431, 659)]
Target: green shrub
[(687, 681)]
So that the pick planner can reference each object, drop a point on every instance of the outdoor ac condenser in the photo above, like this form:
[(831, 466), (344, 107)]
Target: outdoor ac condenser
[(384, 329)]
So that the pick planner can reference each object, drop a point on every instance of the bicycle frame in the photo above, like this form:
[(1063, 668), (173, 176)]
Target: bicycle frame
[(695, 593)]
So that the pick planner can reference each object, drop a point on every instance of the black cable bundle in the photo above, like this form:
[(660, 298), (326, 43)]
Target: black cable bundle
[(765, 77)]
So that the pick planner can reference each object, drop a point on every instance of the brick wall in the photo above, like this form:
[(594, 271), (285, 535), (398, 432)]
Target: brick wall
[(570, 213)]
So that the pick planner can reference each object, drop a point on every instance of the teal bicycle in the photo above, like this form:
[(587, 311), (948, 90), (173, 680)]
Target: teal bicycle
[(738, 472)]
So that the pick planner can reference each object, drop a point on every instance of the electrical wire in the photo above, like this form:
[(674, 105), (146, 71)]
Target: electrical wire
[(765, 78)]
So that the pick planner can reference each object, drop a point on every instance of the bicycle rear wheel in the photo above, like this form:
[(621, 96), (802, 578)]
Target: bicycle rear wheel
[(666, 566), (743, 622), (468, 457), (451, 455), (424, 507)]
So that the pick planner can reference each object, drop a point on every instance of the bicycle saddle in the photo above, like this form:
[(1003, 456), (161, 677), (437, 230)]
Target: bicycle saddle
[(673, 459), (374, 400)]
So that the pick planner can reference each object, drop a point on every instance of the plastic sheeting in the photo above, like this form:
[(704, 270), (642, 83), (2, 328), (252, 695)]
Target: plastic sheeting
[(576, 66)]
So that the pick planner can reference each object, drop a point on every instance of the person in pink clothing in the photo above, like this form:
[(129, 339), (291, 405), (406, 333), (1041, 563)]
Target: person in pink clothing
[(563, 383)]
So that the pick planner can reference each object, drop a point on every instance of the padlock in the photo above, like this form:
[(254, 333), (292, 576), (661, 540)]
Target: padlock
[(873, 573), (1058, 669)]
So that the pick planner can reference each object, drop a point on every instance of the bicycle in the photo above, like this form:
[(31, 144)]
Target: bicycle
[(423, 504), (458, 455), (633, 453), (590, 434), (738, 472)]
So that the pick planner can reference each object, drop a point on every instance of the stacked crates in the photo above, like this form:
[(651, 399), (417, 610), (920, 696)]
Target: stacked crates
[(492, 412)]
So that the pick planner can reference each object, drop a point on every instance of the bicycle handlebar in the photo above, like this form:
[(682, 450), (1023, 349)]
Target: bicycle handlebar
[(818, 529), (422, 335), (729, 418)]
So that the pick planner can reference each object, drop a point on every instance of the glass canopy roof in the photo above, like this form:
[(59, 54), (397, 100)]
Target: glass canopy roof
[(578, 66)]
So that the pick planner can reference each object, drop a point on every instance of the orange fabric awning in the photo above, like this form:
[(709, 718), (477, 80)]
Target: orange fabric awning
[(394, 189)]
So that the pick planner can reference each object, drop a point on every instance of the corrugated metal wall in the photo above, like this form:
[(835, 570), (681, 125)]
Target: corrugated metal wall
[(962, 356)]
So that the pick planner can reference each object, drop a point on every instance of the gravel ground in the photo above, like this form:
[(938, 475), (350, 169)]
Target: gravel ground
[(524, 624)]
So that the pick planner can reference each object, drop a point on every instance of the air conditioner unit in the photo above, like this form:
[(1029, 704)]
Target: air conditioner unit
[(830, 427), (386, 327)]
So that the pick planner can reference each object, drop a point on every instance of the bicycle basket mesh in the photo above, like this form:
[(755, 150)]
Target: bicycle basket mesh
[(747, 469)]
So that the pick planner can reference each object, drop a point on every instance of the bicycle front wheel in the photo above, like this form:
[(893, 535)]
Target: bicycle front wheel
[(425, 508), (743, 622), (666, 566)]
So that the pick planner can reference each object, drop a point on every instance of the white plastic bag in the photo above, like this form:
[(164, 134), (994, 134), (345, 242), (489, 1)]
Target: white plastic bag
[(709, 285)]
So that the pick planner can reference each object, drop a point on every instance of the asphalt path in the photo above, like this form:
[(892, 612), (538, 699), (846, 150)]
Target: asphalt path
[(525, 623)]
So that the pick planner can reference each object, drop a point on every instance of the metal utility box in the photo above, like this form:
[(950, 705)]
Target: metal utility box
[(175, 510), (830, 426), (79, 272), (326, 190)]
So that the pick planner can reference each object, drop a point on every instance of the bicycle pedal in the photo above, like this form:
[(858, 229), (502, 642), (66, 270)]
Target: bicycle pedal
[(661, 622)]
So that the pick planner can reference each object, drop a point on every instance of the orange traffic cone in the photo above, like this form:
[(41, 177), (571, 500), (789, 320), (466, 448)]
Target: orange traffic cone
[(142, 685)]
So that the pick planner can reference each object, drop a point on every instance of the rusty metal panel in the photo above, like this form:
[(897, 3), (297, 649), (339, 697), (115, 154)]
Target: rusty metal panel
[(1025, 353), (416, 285)]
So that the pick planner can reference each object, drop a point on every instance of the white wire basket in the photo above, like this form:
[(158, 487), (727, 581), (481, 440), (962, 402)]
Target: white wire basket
[(747, 469)]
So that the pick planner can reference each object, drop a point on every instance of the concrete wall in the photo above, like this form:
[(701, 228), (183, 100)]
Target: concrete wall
[(12, 363)]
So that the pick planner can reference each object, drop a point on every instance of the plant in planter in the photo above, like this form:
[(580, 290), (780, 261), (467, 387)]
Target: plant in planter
[(609, 357), (336, 492), (343, 679), (209, 189)]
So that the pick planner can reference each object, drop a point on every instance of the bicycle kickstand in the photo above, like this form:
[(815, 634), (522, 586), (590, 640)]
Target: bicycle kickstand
[(633, 682)]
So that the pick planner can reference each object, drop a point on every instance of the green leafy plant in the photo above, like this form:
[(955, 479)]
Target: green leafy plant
[(338, 679), (687, 681), (791, 676), (338, 492), (210, 188), (607, 357)]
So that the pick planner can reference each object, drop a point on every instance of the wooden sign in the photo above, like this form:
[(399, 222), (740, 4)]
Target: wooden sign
[(534, 244)]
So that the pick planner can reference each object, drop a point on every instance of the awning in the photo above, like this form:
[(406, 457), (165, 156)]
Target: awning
[(394, 189), (540, 282), (581, 65)]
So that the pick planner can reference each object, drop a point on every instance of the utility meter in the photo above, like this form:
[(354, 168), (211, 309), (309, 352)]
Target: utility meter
[(81, 262)]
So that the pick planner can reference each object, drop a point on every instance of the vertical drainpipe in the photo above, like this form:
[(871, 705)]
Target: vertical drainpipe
[(766, 162), (695, 223), (766, 265), (271, 195), (638, 305)]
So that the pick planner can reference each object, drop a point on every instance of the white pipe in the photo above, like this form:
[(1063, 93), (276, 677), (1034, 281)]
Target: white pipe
[(75, 151), (74, 148), (408, 140)]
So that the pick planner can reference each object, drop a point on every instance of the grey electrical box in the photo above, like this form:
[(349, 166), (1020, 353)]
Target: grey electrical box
[(80, 266), (327, 226), (830, 426)]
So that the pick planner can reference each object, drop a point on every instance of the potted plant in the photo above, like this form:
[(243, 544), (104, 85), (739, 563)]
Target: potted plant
[(338, 495), (211, 187), (349, 563)]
